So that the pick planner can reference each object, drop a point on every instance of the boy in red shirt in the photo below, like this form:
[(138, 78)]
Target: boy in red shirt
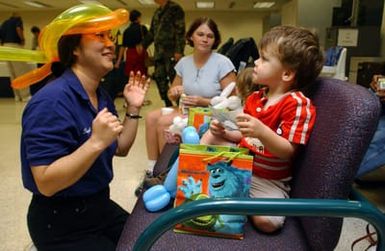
[(278, 118)]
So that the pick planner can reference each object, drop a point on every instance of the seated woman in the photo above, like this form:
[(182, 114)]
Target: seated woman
[(199, 76)]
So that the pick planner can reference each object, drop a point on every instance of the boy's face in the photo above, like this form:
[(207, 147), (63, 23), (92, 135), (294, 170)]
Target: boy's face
[(268, 69)]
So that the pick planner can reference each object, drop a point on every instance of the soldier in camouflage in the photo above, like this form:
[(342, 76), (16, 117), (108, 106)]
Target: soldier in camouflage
[(167, 32)]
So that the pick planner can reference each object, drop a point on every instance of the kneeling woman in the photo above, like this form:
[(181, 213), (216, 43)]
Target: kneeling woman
[(71, 132)]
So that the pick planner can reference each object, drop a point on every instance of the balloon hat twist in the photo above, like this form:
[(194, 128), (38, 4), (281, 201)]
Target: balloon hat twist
[(80, 19)]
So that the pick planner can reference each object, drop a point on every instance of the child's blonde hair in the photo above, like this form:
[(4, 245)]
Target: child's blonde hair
[(245, 84)]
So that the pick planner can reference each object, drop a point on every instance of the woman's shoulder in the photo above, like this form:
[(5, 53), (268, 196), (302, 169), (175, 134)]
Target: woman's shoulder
[(186, 59), (221, 59), (219, 56)]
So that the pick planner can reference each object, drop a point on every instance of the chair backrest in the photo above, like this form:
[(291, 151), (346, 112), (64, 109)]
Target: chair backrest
[(243, 50), (347, 116), (226, 46)]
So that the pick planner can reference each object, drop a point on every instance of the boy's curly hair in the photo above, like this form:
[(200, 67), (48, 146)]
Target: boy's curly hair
[(298, 49)]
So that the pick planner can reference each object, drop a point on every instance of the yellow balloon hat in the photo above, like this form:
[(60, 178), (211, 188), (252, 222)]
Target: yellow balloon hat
[(80, 19)]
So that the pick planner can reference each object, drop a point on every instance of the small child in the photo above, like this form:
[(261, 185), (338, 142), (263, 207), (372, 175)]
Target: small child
[(278, 118), (244, 87)]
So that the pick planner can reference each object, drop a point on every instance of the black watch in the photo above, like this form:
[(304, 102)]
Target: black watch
[(133, 116)]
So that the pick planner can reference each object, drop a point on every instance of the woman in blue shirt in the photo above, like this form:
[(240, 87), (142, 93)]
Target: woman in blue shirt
[(199, 76), (71, 132)]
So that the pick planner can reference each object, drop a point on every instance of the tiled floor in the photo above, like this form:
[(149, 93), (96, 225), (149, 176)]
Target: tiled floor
[(14, 199)]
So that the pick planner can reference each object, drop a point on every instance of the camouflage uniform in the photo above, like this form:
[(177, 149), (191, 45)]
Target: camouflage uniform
[(167, 32)]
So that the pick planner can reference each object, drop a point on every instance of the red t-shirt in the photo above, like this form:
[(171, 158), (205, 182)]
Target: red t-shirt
[(292, 117)]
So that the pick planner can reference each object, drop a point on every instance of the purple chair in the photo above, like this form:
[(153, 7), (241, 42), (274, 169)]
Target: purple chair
[(324, 172)]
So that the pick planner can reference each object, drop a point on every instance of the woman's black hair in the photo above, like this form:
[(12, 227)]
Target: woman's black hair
[(66, 47)]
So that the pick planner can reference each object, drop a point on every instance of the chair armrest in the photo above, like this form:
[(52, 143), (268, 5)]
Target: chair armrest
[(246, 206)]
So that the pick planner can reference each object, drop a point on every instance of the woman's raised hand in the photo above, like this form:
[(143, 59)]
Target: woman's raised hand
[(135, 90)]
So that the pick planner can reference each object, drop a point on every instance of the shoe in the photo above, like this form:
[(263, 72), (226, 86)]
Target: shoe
[(149, 174), (158, 180)]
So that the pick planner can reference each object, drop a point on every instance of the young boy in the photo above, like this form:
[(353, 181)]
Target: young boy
[(278, 118)]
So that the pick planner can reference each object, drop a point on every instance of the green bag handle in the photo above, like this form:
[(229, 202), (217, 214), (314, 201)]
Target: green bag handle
[(213, 148), (220, 154)]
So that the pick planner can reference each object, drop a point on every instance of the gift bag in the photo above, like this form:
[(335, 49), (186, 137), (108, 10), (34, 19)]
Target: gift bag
[(213, 171), (199, 117)]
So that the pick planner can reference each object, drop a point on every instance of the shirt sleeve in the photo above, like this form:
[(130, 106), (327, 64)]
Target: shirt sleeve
[(298, 117), (48, 134), (179, 67), (225, 66)]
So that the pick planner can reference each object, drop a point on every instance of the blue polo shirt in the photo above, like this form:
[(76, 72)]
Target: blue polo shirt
[(56, 122)]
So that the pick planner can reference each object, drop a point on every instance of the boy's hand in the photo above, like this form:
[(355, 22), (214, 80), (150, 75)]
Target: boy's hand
[(250, 126), (216, 128)]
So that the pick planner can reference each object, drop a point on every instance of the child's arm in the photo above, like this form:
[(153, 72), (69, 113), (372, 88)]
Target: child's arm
[(277, 145)]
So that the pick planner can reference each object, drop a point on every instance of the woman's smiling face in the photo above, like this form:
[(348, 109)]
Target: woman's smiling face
[(97, 50)]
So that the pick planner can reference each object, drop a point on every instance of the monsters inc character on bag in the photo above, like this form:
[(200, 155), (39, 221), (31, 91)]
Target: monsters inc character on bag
[(203, 175)]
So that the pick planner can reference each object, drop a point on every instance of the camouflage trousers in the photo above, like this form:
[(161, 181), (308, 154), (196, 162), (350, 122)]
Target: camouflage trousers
[(164, 74)]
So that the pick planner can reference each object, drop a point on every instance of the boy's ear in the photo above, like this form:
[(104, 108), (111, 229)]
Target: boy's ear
[(288, 75)]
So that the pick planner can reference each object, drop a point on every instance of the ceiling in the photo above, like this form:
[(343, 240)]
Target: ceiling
[(188, 5)]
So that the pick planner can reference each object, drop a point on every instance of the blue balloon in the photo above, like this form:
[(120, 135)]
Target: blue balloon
[(171, 179), (190, 135), (156, 198), (189, 128)]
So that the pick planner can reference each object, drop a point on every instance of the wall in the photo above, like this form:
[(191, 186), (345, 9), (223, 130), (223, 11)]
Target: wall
[(290, 13), (320, 22), (236, 25), (302, 13), (248, 24)]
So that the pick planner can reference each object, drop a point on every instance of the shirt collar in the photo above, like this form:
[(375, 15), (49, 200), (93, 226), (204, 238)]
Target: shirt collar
[(78, 88)]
